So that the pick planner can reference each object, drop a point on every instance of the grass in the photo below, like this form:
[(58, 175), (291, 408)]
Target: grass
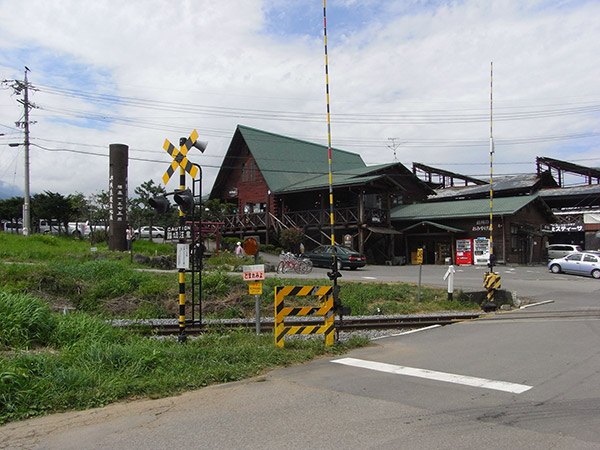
[(58, 362), (51, 361)]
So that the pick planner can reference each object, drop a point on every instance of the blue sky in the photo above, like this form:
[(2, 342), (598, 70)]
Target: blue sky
[(297, 17), (417, 71)]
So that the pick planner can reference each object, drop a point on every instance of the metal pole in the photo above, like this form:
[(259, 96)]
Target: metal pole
[(27, 201), (334, 274), (181, 275), (257, 313), (419, 290), (491, 261)]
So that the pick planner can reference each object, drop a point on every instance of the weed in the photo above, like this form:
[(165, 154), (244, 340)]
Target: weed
[(24, 320)]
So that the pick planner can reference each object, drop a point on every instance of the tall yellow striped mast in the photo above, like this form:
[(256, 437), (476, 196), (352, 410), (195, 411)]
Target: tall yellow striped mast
[(328, 126), (491, 262), (334, 272)]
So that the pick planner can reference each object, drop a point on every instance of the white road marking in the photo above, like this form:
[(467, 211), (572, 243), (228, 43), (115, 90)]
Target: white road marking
[(406, 332), (433, 375), (536, 304), (369, 278)]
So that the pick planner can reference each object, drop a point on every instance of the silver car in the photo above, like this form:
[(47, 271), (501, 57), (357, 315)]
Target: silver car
[(144, 232), (585, 263), (556, 251)]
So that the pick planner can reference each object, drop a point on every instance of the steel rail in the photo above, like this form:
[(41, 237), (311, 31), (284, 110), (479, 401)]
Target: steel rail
[(347, 324)]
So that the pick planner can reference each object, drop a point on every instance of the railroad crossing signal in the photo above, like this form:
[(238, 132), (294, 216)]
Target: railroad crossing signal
[(180, 156)]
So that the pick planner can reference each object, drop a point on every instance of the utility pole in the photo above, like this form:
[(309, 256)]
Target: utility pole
[(23, 87)]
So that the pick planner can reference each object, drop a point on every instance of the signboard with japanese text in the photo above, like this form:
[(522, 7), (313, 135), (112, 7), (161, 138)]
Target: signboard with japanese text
[(255, 288), (255, 272), (183, 256)]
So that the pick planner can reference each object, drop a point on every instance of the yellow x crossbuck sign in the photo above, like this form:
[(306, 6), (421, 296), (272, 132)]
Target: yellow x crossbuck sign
[(179, 157)]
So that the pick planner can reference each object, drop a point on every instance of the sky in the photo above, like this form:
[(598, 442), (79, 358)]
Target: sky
[(409, 81)]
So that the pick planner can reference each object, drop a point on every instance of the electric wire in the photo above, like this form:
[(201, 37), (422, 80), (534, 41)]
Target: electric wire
[(446, 116)]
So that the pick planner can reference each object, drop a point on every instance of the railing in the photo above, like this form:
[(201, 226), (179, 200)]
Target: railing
[(243, 221), (305, 219)]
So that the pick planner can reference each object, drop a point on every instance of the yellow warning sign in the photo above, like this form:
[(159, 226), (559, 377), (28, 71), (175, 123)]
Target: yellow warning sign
[(255, 288), (419, 256)]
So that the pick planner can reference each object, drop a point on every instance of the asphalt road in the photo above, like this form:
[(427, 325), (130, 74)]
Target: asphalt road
[(525, 379), (532, 282)]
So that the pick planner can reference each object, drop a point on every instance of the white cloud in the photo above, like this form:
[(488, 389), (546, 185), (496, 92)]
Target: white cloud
[(415, 60)]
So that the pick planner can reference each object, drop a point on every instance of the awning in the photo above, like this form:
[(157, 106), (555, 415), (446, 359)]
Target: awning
[(433, 224), (382, 230)]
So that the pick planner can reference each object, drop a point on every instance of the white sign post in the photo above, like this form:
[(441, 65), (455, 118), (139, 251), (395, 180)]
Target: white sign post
[(183, 256), (450, 277)]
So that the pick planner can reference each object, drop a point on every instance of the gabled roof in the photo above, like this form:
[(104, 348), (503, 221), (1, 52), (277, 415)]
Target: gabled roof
[(290, 165), (286, 161), (464, 208), (356, 176)]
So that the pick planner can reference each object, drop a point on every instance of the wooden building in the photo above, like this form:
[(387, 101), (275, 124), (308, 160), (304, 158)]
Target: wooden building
[(277, 182), (518, 228)]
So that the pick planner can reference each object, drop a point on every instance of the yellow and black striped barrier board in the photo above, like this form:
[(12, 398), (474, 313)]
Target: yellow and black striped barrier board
[(179, 157), (491, 281), (325, 294)]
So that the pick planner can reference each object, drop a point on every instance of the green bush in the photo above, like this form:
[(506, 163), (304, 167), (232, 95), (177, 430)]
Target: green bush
[(291, 238), (216, 284)]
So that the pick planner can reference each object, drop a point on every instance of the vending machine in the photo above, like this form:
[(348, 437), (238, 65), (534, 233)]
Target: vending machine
[(481, 247), (464, 251)]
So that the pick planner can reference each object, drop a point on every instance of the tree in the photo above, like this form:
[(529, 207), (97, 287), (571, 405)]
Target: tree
[(52, 205), (215, 211), (11, 209), (140, 210), (99, 207), (80, 206)]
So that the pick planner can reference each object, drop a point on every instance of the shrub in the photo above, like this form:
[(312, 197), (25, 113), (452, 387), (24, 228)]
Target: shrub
[(215, 283), (291, 238)]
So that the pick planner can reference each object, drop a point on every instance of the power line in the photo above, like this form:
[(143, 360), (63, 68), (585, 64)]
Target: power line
[(445, 116)]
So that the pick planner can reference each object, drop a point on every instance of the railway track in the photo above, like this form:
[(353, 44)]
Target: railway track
[(346, 324), (548, 315)]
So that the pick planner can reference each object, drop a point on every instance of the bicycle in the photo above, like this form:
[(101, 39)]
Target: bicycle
[(289, 261)]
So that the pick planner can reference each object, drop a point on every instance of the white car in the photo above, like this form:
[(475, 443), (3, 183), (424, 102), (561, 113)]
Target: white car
[(144, 232), (585, 263)]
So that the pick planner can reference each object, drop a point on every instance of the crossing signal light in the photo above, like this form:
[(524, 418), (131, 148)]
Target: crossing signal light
[(160, 204), (185, 200)]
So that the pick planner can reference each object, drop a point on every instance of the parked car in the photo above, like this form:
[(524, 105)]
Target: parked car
[(585, 263), (12, 227), (51, 226), (144, 232), (346, 257), (79, 229), (562, 250)]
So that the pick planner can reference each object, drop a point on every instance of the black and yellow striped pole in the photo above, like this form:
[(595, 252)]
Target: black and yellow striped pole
[(334, 274), (491, 261), (491, 280), (181, 275)]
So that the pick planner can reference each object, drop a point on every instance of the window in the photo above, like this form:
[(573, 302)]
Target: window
[(574, 257), (590, 258), (249, 171)]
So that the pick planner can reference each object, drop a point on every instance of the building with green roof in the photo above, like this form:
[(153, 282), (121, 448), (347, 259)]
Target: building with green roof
[(276, 182), (441, 227)]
